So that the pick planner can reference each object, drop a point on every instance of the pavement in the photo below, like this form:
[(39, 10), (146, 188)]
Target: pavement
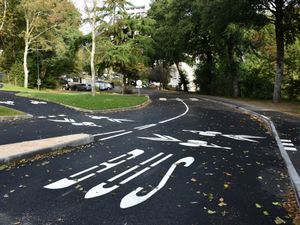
[(285, 128), (184, 159)]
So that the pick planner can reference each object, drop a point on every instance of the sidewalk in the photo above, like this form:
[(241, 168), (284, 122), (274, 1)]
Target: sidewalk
[(288, 129)]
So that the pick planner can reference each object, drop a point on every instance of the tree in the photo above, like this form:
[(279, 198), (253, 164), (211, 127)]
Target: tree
[(3, 17), (285, 16)]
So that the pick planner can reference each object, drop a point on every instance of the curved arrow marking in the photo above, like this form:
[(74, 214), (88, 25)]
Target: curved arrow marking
[(133, 199)]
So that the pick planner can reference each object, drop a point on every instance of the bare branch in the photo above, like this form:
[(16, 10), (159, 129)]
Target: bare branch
[(41, 33)]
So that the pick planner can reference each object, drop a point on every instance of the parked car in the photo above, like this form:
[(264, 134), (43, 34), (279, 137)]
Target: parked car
[(81, 87), (104, 86)]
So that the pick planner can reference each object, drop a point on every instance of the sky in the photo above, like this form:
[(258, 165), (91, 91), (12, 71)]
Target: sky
[(80, 5)]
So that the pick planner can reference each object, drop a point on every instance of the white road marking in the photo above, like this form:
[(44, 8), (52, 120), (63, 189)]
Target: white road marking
[(62, 115), (100, 189), (290, 149), (231, 136), (145, 127), (118, 135), (162, 99), (110, 119), (33, 102), (113, 132), (198, 143), (42, 117), (52, 116), (7, 102), (73, 122), (285, 140), (133, 199), (177, 117), (194, 99), (161, 138), (287, 144), (66, 182)]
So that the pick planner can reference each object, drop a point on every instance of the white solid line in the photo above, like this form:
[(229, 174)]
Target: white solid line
[(42, 117), (194, 99), (160, 161), (288, 144), (114, 159), (290, 149), (135, 175), (103, 139), (122, 174), (84, 171), (162, 99), (51, 116), (113, 132), (183, 114), (149, 160), (285, 140)]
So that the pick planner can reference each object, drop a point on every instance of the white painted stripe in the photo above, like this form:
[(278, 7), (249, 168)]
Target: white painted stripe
[(42, 117), (162, 99), (118, 135), (285, 140), (114, 159), (177, 117), (62, 115), (52, 116), (290, 149), (287, 144), (84, 171), (145, 127), (135, 175), (160, 161), (194, 99), (149, 160), (123, 173), (113, 132)]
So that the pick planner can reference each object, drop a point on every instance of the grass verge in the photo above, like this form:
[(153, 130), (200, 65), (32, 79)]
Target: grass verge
[(87, 101), (10, 87), (4, 111)]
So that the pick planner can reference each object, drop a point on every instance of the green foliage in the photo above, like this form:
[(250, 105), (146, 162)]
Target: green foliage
[(16, 74)]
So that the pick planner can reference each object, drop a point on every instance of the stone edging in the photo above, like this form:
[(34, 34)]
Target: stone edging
[(18, 117)]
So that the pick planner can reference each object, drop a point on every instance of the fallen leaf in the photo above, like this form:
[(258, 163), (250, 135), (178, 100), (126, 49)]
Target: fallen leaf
[(278, 221), (258, 205), (211, 212)]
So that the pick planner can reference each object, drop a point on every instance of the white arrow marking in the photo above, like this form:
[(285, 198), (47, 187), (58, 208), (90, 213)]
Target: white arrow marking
[(161, 138), (242, 137), (145, 127), (133, 199), (110, 119), (198, 143), (66, 120), (7, 102), (66, 182), (101, 190)]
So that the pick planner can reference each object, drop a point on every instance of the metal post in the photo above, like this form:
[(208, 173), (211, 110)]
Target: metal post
[(38, 69)]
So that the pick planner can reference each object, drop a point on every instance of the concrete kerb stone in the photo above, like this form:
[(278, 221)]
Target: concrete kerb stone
[(27, 149), (18, 117), (294, 177)]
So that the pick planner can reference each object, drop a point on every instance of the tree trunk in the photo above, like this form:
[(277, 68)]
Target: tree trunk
[(212, 75), (26, 71), (279, 50), (93, 50), (232, 69), (183, 80)]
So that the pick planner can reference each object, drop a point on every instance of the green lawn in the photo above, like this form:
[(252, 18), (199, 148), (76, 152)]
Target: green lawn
[(4, 111), (10, 87), (87, 101)]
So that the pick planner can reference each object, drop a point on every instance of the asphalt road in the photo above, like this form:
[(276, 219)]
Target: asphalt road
[(181, 160)]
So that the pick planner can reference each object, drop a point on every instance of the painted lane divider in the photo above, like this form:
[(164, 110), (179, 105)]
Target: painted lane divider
[(109, 119), (181, 115), (100, 190), (163, 99), (133, 199), (67, 182), (117, 135), (288, 145)]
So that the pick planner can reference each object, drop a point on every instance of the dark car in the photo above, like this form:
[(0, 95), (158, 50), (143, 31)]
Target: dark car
[(82, 87)]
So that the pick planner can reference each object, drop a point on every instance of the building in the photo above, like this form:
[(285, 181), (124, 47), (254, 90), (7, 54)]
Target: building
[(138, 10)]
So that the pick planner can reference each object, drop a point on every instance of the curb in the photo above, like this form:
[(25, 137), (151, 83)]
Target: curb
[(19, 117), (27, 149), (294, 177)]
